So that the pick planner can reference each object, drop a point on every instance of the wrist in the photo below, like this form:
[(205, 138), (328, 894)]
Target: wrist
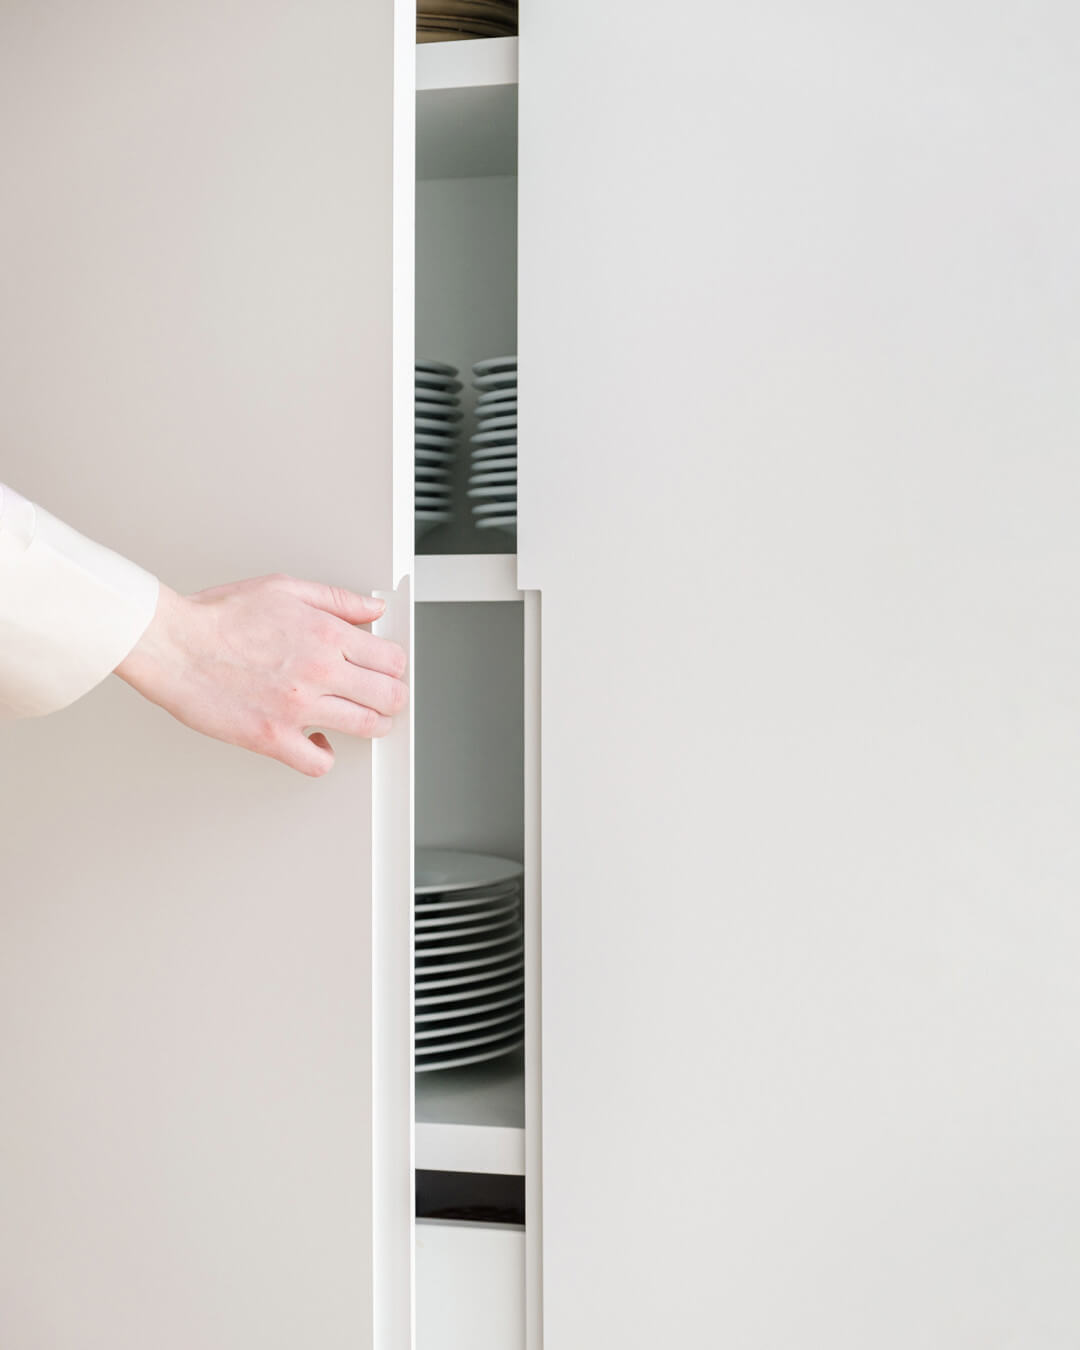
[(156, 650)]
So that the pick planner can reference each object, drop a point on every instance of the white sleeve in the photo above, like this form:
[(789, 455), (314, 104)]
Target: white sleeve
[(70, 610)]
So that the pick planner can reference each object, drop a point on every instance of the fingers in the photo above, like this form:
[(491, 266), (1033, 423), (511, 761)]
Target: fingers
[(340, 714), (312, 755), (369, 688), (347, 605), (373, 653)]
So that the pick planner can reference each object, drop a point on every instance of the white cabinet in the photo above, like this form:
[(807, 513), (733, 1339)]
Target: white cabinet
[(470, 1287), (776, 700)]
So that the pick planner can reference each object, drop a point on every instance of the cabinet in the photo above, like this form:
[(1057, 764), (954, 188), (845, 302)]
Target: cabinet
[(776, 698)]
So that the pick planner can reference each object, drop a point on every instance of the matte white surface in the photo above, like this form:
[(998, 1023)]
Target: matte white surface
[(811, 733), (465, 577), (196, 262), (470, 1286)]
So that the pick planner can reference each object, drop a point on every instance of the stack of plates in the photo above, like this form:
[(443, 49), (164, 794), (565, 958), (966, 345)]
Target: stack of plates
[(469, 956), (493, 477), (451, 20), (437, 416)]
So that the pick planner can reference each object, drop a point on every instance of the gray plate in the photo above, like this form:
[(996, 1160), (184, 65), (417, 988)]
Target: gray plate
[(492, 364)]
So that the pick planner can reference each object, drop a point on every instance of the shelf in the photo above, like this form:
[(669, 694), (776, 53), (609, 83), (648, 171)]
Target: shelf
[(472, 1120), (466, 108), (464, 578)]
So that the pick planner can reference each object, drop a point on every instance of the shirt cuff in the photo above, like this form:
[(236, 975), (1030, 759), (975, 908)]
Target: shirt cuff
[(70, 610)]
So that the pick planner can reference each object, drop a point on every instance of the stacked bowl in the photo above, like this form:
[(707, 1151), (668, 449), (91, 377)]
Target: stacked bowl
[(493, 471), (469, 959), (437, 413), (451, 20)]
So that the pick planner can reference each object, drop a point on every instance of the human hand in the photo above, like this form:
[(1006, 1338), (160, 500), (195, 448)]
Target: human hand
[(256, 663)]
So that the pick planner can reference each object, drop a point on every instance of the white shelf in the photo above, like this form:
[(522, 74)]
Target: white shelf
[(466, 65), (472, 1120), (466, 108), (463, 578)]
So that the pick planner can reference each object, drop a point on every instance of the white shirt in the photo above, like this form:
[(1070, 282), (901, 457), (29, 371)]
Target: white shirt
[(70, 610)]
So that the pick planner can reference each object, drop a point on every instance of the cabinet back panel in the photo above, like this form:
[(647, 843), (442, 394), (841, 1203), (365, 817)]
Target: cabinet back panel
[(469, 727)]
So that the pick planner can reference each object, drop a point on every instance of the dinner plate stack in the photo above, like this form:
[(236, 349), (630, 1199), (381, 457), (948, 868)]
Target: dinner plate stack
[(469, 956), (493, 475), (452, 20), (438, 413)]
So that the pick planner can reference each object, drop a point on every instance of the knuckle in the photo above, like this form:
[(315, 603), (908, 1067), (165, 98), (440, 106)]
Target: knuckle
[(399, 697), (396, 659), (367, 722), (317, 669), (266, 735)]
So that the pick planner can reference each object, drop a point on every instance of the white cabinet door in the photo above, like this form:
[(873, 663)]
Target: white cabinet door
[(799, 484), (203, 1140)]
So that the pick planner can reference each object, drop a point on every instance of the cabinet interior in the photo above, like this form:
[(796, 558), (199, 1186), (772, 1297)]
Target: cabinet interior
[(466, 259), (468, 662)]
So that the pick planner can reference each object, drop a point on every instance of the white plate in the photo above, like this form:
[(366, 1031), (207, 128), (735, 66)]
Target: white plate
[(459, 1062), (430, 473), (509, 1019), (496, 396), (440, 490), (473, 991), (479, 455), (432, 517), (498, 935), (443, 383), (442, 870), (426, 455), (453, 1042), (431, 925), (428, 942), (492, 466), (484, 439), (443, 412), (491, 364), (429, 440), (433, 966), (433, 425), (506, 379), (437, 396), (479, 1009), (435, 367), (480, 483), (510, 968), (508, 422), (497, 523), (504, 507), (437, 903)]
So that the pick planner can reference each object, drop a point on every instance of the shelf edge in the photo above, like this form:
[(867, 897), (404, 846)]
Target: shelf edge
[(470, 1148), (445, 65), (464, 578)]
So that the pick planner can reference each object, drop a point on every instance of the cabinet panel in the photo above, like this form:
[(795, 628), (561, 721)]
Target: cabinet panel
[(798, 484), (196, 367), (470, 1285)]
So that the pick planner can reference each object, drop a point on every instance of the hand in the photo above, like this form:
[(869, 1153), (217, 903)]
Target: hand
[(258, 662)]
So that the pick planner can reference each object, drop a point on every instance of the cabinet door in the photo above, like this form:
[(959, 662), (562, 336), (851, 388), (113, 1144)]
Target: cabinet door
[(204, 1139), (799, 484)]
